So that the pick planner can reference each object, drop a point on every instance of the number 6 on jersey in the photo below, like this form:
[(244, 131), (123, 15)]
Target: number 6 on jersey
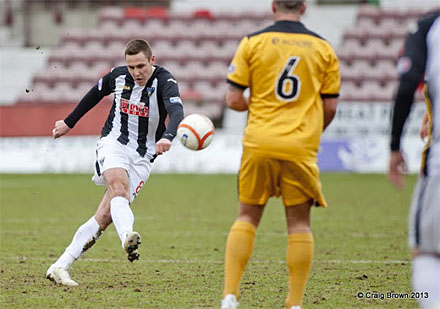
[(288, 85)]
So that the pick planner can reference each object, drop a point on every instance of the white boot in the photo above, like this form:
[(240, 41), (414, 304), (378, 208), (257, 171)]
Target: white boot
[(229, 302), (60, 275), (131, 244)]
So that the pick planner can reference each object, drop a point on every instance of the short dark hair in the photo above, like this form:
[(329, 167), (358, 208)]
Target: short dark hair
[(288, 6), (136, 46)]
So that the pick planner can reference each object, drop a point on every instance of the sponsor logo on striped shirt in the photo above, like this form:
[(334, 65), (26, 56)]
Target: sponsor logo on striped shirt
[(134, 109)]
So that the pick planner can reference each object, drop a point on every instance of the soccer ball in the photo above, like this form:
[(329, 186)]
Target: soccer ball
[(195, 132)]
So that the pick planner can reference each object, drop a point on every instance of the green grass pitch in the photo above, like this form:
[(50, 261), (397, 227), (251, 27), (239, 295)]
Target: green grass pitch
[(360, 244)]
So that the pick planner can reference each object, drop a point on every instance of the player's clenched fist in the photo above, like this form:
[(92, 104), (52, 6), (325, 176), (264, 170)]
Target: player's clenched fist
[(163, 145), (60, 129)]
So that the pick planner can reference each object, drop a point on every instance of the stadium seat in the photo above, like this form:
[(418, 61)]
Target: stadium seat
[(143, 14), (154, 25), (188, 49), (386, 69), (164, 49), (112, 14), (158, 12), (222, 30), (206, 14), (368, 11), (366, 23)]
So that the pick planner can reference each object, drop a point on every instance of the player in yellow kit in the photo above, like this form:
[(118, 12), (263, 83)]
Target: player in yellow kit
[(294, 81)]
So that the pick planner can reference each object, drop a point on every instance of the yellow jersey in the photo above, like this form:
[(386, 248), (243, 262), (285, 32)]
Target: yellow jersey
[(288, 69)]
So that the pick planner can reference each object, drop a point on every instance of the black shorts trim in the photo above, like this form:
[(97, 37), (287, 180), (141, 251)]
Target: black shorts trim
[(98, 170)]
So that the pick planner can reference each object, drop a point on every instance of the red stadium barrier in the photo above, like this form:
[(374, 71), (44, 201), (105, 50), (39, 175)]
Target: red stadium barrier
[(143, 14), (39, 119)]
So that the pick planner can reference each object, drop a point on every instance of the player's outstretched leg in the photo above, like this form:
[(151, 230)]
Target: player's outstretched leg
[(85, 237), (131, 245), (123, 220)]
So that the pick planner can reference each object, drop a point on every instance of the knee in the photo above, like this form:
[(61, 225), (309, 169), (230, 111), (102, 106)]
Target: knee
[(251, 214), (299, 228), (255, 221), (120, 190), (117, 188), (117, 183)]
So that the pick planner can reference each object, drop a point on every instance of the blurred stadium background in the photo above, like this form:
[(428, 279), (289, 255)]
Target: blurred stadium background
[(53, 51)]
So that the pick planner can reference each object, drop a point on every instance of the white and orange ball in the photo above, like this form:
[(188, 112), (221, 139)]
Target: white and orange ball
[(195, 131)]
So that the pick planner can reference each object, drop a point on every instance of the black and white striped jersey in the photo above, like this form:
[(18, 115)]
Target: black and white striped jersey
[(421, 57), (137, 117)]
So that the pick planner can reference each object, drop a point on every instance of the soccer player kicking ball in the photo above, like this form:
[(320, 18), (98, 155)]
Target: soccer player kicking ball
[(134, 133), (294, 80)]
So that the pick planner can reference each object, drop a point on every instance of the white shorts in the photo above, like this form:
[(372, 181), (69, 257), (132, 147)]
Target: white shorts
[(424, 217), (112, 154)]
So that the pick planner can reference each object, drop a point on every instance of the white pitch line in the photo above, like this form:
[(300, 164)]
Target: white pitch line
[(191, 261), (225, 233), (64, 220)]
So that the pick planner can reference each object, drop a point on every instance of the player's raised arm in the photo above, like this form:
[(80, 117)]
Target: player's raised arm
[(174, 107), (100, 90)]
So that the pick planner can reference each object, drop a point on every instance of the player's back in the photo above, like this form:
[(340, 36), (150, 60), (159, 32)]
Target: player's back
[(288, 69)]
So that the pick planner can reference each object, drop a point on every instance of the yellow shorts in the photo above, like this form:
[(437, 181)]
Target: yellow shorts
[(261, 177)]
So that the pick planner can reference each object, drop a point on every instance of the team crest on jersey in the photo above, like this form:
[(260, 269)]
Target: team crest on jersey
[(231, 68), (150, 90), (134, 109)]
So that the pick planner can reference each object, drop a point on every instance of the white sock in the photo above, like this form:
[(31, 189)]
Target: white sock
[(84, 238), (122, 217), (65, 260), (426, 278)]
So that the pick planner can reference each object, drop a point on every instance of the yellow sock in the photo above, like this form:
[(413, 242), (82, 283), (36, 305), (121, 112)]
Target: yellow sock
[(239, 248), (299, 261)]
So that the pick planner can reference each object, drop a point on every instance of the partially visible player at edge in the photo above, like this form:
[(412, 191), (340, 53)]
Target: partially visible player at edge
[(421, 56), (134, 133), (293, 76)]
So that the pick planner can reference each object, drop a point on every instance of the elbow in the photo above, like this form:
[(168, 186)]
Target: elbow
[(236, 104), (231, 104), (332, 109)]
